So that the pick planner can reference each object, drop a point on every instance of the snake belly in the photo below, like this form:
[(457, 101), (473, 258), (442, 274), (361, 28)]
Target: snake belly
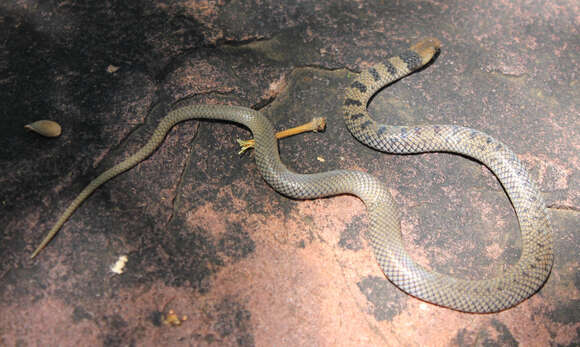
[(522, 279)]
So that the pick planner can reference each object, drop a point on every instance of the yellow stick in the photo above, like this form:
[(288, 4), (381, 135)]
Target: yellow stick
[(316, 124)]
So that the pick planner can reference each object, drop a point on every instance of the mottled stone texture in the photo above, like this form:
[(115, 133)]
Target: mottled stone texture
[(207, 238)]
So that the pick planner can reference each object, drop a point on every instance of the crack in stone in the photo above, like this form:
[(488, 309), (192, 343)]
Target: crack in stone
[(264, 102), (240, 43), (186, 100), (561, 207), (175, 202), (317, 67)]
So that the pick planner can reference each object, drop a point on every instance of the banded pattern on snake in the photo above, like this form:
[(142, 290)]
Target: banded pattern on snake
[(519, 282), (522, 279)]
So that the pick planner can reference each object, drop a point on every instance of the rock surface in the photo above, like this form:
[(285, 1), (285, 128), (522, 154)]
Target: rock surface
[(206, 237)]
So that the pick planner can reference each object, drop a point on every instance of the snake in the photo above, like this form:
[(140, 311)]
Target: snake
[(513, 285)]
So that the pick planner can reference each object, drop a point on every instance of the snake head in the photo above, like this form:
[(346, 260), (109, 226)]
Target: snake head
[(426, 48)]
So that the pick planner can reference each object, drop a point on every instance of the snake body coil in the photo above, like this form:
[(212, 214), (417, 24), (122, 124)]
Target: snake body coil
[(515, 285)]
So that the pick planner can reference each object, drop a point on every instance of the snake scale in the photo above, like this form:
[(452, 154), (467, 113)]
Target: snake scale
[(517, 283)]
